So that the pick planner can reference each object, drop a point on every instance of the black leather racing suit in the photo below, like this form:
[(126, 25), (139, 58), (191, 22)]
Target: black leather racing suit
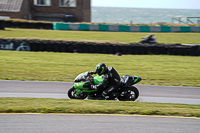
[(112, 77)]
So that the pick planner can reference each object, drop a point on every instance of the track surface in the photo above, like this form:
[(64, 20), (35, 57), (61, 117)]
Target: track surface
[(58, 123), (62, 123), (148, 93)]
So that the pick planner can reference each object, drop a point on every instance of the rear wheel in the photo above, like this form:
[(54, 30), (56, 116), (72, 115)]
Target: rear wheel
[(128, 94), (72, 94)]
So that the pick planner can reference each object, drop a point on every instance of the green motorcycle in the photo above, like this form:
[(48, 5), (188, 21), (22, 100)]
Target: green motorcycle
[(81, 88)]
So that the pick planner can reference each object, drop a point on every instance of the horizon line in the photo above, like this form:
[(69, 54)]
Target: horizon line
[(148, 7)]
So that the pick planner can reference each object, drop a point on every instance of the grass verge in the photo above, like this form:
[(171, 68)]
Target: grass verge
[(48, 66), (124, 37), (37, 105)]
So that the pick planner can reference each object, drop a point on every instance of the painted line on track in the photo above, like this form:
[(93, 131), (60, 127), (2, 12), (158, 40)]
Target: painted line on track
[(124, 115), (140, 99)]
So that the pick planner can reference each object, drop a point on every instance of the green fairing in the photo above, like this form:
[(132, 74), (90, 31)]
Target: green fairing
[(79, 85), (98, 79), (78, 92)]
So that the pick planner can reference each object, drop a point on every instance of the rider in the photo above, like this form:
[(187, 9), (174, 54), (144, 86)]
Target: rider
[(111, 76)]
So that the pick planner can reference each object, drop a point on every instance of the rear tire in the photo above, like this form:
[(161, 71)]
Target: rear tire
[(128, 94), (72, 94)]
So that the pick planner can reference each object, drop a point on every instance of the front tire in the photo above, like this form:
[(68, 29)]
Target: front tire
[(72, 94), (128, 94)]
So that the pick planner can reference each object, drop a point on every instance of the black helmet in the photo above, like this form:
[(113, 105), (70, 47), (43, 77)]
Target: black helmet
[(101, 68)]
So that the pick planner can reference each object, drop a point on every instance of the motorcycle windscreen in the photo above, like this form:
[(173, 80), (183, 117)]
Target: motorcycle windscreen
[(81, 77)]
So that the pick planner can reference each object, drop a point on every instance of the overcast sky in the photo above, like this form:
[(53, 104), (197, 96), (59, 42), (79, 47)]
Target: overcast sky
[(183, 4)]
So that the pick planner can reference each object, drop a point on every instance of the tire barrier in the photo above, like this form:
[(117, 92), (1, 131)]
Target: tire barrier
[(28, 25), (19, 45), (2, 24), (102, 48), (124, 28)]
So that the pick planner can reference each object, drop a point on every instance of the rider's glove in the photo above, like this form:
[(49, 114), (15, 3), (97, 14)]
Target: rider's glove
[(93, 87)]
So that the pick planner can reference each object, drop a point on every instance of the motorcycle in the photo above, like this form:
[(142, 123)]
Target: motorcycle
[(148, 39), (81, 88)]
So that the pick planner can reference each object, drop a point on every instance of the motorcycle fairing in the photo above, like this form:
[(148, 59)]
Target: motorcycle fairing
[(98, 79), (129, 80), (80, 85)]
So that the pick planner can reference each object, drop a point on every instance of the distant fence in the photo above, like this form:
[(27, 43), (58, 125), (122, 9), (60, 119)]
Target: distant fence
[(100, 27), (102, 48), (124, 28)]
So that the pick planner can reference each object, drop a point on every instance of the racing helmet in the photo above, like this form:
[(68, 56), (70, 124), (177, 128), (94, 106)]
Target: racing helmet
[(101, 68)]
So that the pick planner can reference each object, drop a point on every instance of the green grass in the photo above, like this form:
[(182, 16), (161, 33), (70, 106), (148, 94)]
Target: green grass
[(124, 37), (49, 66), (36, 105)]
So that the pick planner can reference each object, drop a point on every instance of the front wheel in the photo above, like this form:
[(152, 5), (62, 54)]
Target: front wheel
[(72, 94), (128, 94)]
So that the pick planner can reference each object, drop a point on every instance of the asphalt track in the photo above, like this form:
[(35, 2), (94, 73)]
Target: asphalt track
[(65, 123), (148, 93)]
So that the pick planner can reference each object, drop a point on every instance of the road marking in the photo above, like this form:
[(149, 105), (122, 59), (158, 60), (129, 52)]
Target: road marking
[(126, 115), (140, 99)]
